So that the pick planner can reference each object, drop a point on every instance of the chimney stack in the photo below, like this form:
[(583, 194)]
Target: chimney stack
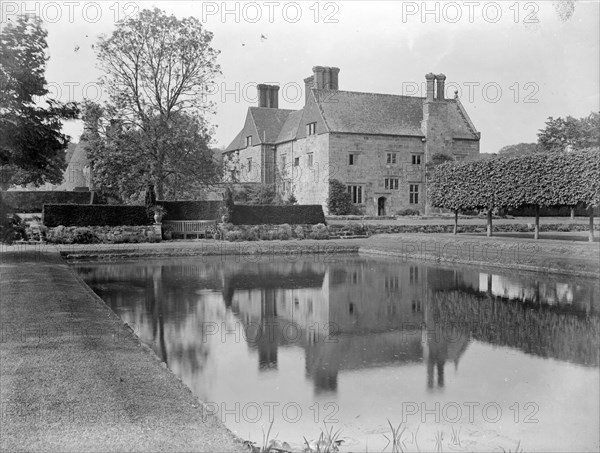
[(334, 78), (441, 81), (268, 96), (308, 85), (325, 78), (430, 85), (319, 77)]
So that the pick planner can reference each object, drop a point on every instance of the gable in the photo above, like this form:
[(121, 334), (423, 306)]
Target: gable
[(311, 113)]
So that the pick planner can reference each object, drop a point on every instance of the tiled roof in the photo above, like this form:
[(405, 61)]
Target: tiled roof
[(269, 122), (370, 113), (236, 143), (357, 113), (290, 127)]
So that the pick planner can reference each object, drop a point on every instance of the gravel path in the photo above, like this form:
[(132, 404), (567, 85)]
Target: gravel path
[(74, 377)]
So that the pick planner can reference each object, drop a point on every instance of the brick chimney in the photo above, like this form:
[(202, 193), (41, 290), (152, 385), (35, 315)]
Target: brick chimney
[(319, 77), (268, 96), (430, 85), (325, 78), (441, 81), (274, 97), (334, 78), (308, 85)]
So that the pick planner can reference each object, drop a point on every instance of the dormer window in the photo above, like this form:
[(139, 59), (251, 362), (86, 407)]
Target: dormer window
[(311, 128), (248, 141)]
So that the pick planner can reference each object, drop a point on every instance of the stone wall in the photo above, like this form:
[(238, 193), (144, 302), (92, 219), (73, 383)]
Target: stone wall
[(371, 169)]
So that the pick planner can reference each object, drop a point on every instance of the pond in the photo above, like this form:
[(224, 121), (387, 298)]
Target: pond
[(453, 358)]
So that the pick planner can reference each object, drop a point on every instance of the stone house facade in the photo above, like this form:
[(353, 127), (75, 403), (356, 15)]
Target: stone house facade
[(376, 144)]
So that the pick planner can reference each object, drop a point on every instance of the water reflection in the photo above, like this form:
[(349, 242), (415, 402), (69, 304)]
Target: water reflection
[(210, 318)]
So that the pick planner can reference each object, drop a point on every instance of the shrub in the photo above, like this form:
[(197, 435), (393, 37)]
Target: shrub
[(232, 236), (254, 233), (299, 232), (284, 232), (319, 231), (277, 214), (192, 210), (84, 236), (94, 215), (339, 201), (292, 199), (408, 211), (257, 194)]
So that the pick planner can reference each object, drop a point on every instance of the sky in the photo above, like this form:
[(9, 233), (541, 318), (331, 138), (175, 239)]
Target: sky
[(514, 64)]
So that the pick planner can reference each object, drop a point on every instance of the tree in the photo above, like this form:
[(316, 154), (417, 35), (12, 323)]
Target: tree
[(339, 201), (567, 134), (258, 194), (32, 148), (124, 159), (155, 70), (520, 149)]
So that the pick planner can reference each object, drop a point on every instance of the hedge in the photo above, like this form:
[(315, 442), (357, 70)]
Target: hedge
[(554, 211), (277, 214), (32, 201), (539, 180), (94, 215), (191, 210)]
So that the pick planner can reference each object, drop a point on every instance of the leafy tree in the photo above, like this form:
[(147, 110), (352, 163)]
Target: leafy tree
[(258, 194), (566, 134), (520, 149), (32, 148), (128, 161), (155, 70), (339, 201)]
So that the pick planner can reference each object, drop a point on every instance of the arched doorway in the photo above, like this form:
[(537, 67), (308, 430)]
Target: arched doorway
[(381, 206)]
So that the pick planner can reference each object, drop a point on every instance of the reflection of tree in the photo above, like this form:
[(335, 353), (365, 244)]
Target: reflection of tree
[(542, 331)]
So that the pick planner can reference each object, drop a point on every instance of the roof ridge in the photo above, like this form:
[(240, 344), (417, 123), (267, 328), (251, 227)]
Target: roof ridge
[(375, 94)]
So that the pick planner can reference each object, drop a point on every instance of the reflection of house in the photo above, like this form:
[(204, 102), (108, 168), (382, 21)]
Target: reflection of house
[(380, 312), (376, 144)]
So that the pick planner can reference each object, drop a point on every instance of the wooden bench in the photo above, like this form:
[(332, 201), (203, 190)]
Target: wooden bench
[(186, 227)]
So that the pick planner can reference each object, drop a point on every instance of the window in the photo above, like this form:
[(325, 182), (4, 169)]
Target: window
[(414, 194), (311, 128), (391, 183), (296, 161), (414, 274), (356, 194), (249, 164), (248, 141), (352, 159), (391, 158), (283, 161), (416, 159), (310, 159)]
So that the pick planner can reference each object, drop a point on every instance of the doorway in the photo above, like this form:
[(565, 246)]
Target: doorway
[(381, 206)]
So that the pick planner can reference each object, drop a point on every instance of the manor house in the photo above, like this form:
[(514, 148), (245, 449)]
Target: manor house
[(375, 144)]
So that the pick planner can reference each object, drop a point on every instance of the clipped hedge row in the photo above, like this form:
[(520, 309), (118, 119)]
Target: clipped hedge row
[(559, 211), (543, 179), (191, 210), (277, 214), (30, 201), (93, 215)]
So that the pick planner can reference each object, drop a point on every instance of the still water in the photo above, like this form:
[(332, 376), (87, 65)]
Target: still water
[(462, 358)]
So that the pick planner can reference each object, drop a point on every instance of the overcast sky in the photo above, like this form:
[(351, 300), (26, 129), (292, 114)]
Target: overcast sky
[(513, 63)]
